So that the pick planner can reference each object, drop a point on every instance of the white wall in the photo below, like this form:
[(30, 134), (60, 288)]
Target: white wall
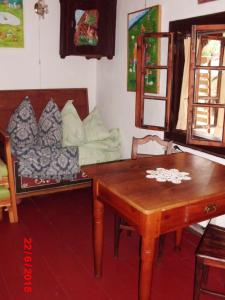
[(116, 103), (38, 64)]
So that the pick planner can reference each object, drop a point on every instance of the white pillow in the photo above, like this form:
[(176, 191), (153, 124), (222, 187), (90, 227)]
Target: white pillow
[(73, 131)]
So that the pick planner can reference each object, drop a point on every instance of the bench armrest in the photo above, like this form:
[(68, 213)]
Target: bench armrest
[(5, 141), (5, 146), (4, 137)]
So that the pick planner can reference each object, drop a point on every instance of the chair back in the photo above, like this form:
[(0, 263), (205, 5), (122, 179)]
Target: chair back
[(167, 145)]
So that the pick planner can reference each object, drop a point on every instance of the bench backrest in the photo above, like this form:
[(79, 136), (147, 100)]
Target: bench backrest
[(10, 99)]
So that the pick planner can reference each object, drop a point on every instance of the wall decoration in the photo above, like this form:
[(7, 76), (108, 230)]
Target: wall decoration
[(11, 24), (41, 8), (143, 21), (86, 32), (87, 28), (204, 1)]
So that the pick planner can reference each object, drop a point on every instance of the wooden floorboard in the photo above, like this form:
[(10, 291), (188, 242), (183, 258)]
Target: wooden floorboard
[(60, 227), (69, 273)]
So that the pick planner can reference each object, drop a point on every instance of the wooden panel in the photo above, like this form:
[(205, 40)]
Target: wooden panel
[(54, 190), (205, 210), (129, 213), (10, 99), (172, 219), (194, 213)]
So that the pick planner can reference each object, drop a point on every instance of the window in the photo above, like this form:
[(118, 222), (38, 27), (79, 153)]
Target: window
[(158, 73), (206, 107), (201, 124)]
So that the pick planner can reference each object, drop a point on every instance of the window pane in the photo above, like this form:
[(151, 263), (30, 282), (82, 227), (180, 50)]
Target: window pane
[(151, 118), (156, 51), (209, 86), (209, 49), (208, 123), (156, 82)]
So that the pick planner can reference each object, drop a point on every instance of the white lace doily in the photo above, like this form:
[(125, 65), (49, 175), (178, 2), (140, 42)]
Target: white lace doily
[(171, 175)]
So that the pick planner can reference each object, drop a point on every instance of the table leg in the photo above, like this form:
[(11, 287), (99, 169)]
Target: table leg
[(146, 263), (179, 233), (98, 236)]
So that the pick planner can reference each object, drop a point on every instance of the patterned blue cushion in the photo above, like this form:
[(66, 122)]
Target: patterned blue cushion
[(22, 128), (50, 126), (39, 147), (50, 163)]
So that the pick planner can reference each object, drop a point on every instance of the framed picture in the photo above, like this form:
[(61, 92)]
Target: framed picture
[(142, 21), (11, 24), (86, 32), (87, 28)]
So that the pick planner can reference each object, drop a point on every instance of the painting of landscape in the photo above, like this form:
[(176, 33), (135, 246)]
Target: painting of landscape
[(11, 24), (143, 21)]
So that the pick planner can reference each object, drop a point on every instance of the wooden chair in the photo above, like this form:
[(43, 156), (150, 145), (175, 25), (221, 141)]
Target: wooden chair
[(167, 146), (210, 253), (119, 223)]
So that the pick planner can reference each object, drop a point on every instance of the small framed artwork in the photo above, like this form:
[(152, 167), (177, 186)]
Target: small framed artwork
[(86, 32), (204, 1), (87, 28), (142, 21), (11, 24)]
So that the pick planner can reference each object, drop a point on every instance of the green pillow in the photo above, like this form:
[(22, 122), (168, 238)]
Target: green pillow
[(4, 193), (3, 169), (108, 149), (94, 127), (73, 131)]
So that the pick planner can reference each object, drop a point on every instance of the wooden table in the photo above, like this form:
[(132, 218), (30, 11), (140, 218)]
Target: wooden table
[(155, 207)]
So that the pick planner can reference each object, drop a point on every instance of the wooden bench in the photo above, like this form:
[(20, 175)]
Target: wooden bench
[(9, 100)]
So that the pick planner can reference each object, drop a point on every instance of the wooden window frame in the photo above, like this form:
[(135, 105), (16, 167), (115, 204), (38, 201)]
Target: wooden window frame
[(141, 96), (192, 103), (182, 28)]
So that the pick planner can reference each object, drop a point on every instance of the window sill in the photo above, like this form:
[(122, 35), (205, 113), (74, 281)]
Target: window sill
[(179, 137)]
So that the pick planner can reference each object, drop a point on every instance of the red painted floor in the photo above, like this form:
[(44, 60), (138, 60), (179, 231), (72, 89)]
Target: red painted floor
[(59, 233)]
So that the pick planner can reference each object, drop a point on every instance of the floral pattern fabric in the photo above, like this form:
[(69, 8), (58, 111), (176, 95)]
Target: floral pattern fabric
[(45, 162), (50, 126), (22, 128), (38, 147)]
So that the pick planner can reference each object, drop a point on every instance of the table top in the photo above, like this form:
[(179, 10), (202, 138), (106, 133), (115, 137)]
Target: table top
[(127, 180)]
